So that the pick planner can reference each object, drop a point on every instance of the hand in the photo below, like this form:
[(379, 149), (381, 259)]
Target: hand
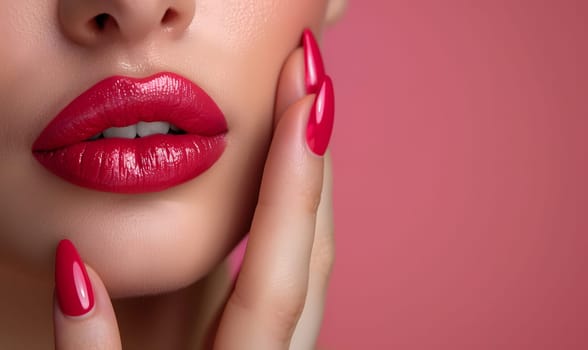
[(279, 295)]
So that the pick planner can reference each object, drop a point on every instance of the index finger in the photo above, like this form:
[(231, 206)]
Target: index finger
[(269, 295)]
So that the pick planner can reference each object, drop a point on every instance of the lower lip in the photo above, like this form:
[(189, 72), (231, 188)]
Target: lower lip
[(140, 165)]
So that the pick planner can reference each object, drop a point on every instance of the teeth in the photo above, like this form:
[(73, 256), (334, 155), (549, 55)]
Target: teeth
[(141, 129), (152, 128), (127, 132)]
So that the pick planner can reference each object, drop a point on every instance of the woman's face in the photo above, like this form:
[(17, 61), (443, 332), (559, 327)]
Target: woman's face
[(53, 51)]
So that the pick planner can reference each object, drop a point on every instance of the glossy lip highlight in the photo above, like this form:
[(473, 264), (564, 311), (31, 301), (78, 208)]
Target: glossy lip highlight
[(140, 165)]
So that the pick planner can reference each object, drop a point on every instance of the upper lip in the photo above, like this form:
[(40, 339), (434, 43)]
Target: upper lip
[(121, 101)]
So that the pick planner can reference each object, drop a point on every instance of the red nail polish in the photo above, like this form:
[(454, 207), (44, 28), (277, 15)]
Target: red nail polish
[(315, 69), (322, 117), (72, 285)]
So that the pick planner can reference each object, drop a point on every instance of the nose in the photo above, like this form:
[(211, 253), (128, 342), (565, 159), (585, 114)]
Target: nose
[(89, 22)]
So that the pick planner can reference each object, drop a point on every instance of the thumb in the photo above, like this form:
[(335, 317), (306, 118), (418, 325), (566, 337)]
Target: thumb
[(83, 316)]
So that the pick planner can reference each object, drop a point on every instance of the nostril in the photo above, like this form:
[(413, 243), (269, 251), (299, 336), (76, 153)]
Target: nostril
[(101, 21), (169, 16)]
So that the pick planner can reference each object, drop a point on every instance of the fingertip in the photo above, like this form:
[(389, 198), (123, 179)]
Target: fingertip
[(313, 62), (292, 84), (321, 120), (100, 305), (303, 74), (73, 288), (83, 313)]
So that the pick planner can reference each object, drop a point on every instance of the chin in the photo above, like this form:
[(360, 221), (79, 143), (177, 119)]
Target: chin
[(169, 251)]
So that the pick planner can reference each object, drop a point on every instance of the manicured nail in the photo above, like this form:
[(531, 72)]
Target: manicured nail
[(315, 69), (322, 117), (72, 285)]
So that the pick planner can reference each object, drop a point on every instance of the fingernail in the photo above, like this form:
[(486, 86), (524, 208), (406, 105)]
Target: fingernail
[(321, 120), (72, 285), (315, 69)]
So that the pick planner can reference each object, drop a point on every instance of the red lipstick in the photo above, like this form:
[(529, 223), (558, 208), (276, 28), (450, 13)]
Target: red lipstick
[(134, 165)]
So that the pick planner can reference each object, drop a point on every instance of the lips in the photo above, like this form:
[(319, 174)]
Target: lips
[(69, 149)]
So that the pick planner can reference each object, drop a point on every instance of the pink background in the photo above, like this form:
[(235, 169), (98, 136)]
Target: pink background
[(460, 155)]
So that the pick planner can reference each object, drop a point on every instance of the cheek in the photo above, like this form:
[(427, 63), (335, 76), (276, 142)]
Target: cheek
[(238, 23), (251, 44)]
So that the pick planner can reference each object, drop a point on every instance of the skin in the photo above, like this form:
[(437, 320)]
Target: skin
[(168, 246)]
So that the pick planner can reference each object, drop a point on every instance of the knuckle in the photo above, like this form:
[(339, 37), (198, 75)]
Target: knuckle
[(240, 300), (310, 201), (279, 308), (303, 201)]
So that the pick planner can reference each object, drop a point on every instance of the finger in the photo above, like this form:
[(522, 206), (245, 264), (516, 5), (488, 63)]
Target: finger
[(83, 316), (302, 74), (269, 295), (291, 86), (321, 263)]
